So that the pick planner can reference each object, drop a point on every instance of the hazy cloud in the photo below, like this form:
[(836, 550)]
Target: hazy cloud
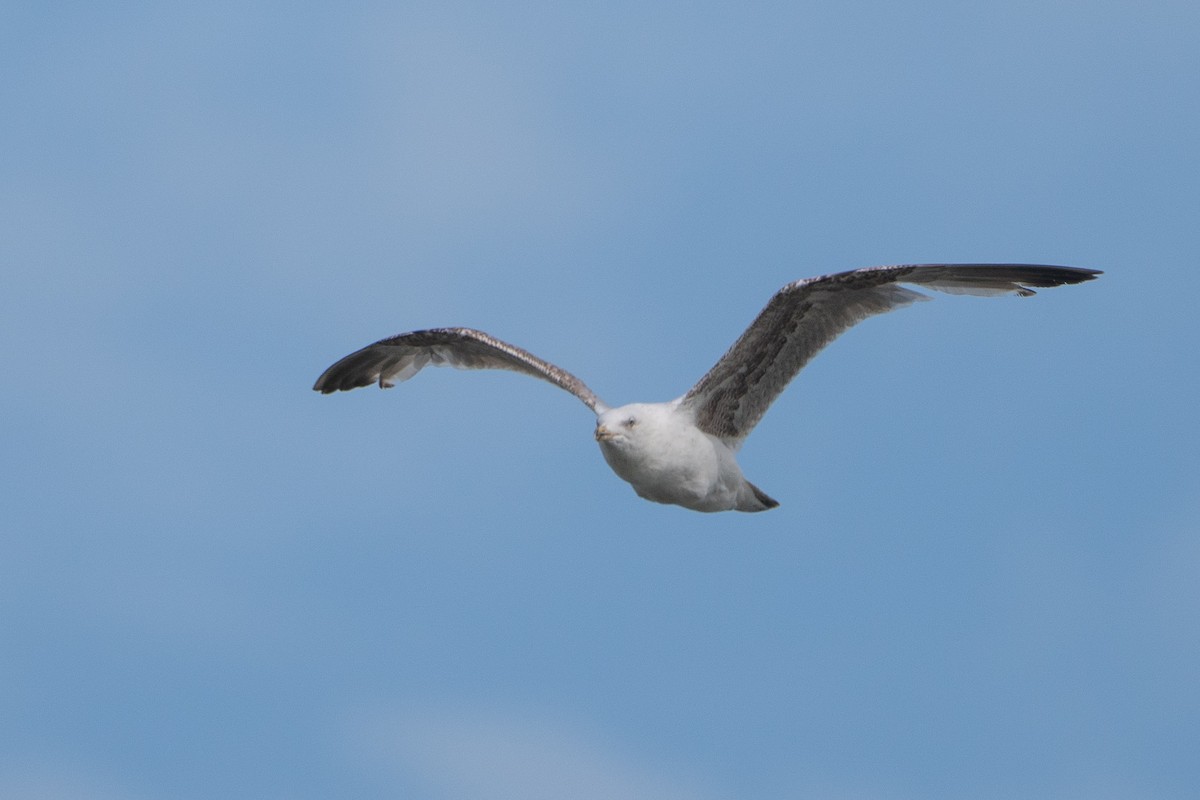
[(496, 757)]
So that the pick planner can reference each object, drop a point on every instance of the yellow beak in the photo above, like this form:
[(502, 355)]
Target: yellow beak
[(603, 433)]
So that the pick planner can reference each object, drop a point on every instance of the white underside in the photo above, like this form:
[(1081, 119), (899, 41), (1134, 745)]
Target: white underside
[(667, 459)]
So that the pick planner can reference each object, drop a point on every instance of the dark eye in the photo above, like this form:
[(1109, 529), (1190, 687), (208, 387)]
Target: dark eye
[(629, 423)]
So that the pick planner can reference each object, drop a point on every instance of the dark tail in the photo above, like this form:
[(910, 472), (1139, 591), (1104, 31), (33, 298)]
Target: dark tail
[(755, 499)]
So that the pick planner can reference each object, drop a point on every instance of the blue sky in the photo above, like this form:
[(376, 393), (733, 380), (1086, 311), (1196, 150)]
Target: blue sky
[(982, 580)]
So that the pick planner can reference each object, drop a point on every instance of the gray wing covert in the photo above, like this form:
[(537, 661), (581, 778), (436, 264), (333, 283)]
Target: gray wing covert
[(804, 316), (395, 359)]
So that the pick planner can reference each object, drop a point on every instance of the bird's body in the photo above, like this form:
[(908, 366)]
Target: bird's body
[(682, 452), (657, 449)]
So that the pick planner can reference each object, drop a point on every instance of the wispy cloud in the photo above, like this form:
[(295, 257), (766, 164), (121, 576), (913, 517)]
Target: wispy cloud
[(493, 757), (57, 783), (467, 126)]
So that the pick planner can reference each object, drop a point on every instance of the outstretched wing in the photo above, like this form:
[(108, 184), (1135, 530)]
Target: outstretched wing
[(389, 361), (806, 315)]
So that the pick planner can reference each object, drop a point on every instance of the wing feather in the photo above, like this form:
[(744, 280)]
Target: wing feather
[(804, 316), (395, 359)]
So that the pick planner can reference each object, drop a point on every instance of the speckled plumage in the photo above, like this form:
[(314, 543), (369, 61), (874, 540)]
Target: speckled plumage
[(682, 452)]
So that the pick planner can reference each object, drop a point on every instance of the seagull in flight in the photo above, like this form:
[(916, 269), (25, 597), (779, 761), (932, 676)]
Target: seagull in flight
[(682, 452)]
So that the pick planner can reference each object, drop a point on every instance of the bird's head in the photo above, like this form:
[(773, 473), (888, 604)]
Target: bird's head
[(618, 427), (631, 427)]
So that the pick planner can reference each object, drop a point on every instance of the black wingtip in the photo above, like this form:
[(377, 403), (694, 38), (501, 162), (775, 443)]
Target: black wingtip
[(350, 372), (335, 380), (325, 384), (1060, 276), (1047, 277)]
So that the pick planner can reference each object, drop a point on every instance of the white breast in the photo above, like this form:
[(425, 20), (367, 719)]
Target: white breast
[(667, 459)]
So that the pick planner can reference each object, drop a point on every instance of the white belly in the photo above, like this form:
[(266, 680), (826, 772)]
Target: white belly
[(696, 471)]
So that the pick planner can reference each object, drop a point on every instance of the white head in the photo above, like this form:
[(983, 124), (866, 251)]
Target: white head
[(619, 427), (635, 426)]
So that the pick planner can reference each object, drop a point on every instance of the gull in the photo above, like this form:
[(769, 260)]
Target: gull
[(683, 452)]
